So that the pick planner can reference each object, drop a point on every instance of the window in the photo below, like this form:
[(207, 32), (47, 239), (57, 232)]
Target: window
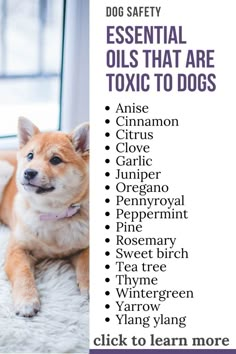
[(31, 40)]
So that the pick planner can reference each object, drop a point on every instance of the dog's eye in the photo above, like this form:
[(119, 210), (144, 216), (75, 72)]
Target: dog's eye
[(30, 156), (55, 160)]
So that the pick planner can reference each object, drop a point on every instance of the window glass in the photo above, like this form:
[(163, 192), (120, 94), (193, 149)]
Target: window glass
[(31, 35)]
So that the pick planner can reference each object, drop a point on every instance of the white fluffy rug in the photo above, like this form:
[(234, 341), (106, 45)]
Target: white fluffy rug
[(62, 324)]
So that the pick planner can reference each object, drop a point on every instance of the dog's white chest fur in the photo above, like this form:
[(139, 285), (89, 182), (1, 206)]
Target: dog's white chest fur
[(51, 238)]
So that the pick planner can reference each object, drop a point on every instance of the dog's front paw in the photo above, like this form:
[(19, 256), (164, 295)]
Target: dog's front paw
[(83, 291), (28, 308)]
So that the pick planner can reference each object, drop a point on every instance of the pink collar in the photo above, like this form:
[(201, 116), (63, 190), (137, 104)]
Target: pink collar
[(69, 212)]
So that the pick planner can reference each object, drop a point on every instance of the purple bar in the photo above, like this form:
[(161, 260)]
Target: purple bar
[(162, 351)]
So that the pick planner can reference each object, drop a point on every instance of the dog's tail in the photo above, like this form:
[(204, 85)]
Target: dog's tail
[(6, 172)]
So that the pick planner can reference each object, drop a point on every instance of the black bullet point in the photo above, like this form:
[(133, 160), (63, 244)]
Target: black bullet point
[(107, 306), (107, 293), (107, 240), (107, 147), (107, 134), (107, 227), (107, 108), (107, 160), (107, 174), (107, 266), (107, 213), (107, 121), (107, 280), (107, 319), (107, 253), (107, 200), (107, 187)]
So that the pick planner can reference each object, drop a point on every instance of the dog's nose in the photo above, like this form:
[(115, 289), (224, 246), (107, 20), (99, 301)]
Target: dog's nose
[(30, 174)]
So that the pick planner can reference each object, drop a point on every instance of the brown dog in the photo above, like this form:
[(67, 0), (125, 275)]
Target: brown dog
[(44, 200)]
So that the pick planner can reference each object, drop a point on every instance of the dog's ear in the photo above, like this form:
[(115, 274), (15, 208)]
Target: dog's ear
[(80, 138), (26, 129)]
